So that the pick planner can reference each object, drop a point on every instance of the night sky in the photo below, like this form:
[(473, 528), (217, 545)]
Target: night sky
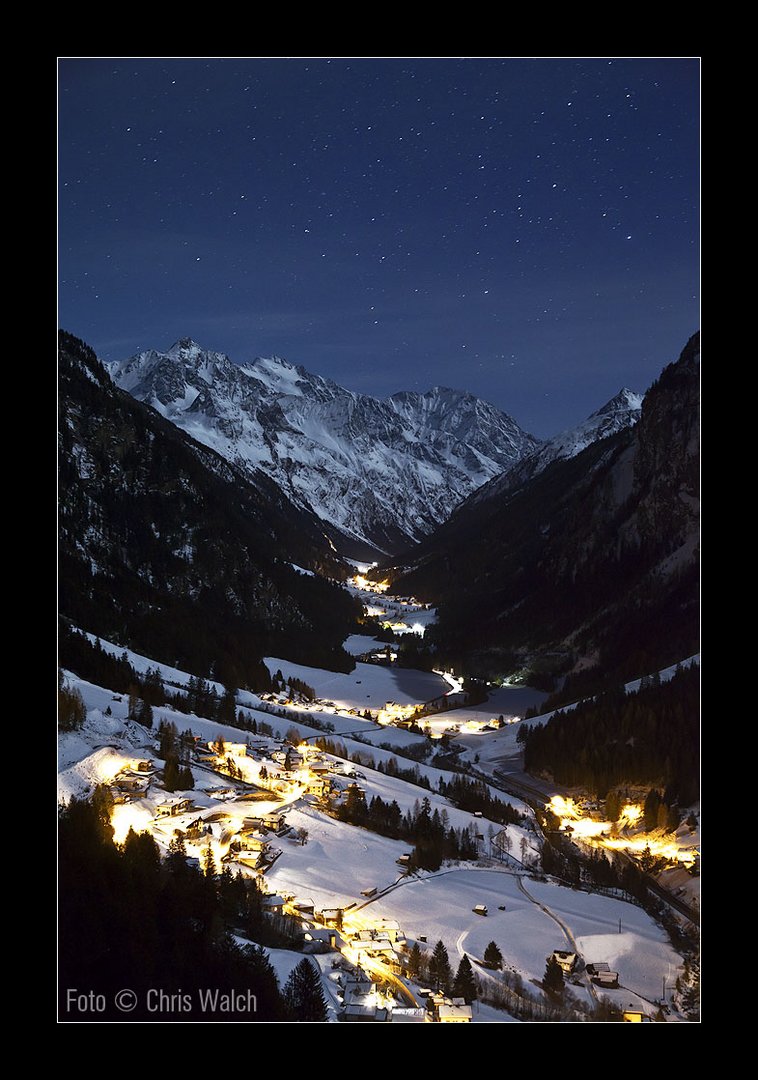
[(523, 229)]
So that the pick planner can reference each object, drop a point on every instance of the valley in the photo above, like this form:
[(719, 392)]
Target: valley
[(352, 755), (268, 804)]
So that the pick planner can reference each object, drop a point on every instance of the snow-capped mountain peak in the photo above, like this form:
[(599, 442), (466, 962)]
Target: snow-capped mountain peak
[(622, 411), (381, 473)]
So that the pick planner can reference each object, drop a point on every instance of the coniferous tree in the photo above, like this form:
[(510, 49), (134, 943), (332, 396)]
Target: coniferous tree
[(465, 984), (415, 959), (493, 958), (440, 972), (304, 995), (552, 980), (209, 862)]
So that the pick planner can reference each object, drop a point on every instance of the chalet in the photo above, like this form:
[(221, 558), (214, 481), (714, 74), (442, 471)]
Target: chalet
[(390, 929), (172, 807), (454, 1014), (404, 859), (235, 749), (608, 979), (304, 909), (358, 991), (479, 909), (129, 784), (274, 822), (320, 768), (320, 786), (370, 1014), (566, 960), (196, 829), (274, 904), (369, 892), (251, 842), (408, 1016), (142, 766), (254, 859)]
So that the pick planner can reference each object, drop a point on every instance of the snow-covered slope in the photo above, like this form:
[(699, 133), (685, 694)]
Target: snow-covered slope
[(380, 472), (621, 412)]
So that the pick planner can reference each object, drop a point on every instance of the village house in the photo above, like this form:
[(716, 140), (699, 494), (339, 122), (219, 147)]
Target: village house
[(172, 807), (253, 859), (322, 941), (196, 829), (274, 822), (566, 960), (250, 841), (125, 783), (320, 768), (274, 904), (454, 1014), (370, 1014), (235, 749), (320, 786), (389, 928), (144, 765), (409, 1016)]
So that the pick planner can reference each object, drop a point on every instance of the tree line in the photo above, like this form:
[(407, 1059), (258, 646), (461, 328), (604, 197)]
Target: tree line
[(433, 838), (647, 736)]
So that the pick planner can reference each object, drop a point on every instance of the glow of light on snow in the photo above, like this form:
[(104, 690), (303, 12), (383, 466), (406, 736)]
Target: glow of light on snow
[(126, 817), (657, 844), (630, 814)]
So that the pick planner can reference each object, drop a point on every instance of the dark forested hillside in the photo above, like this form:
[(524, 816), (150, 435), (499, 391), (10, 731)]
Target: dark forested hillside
[(647, 737), (130, 923), (592, 563), (170, 550)]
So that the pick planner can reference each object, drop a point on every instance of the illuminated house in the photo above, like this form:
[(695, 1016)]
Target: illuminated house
[(172, 807), (566, 960), (251, 842), (275, 822), (274, 904), (454, 1014)]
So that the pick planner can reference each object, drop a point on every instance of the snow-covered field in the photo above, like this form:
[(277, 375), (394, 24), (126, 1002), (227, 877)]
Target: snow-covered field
[(340, 860), (358, 644), (369, 686), (440, 907)]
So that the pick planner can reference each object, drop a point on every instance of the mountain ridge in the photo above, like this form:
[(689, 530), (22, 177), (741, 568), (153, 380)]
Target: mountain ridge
[(381, 472), (591, 562), (168, 547)]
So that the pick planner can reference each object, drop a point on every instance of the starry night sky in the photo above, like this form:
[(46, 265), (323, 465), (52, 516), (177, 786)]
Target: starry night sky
[(523, 229)]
